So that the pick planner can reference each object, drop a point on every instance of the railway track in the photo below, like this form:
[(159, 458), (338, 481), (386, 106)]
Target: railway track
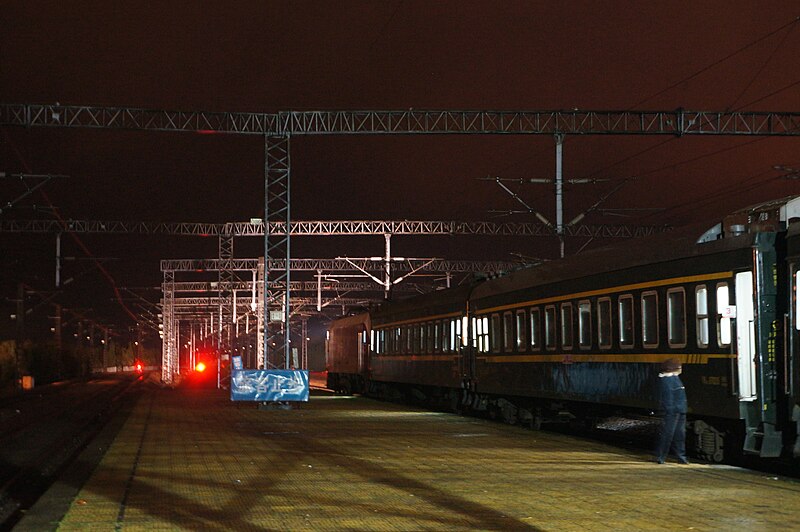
[(42, 432)]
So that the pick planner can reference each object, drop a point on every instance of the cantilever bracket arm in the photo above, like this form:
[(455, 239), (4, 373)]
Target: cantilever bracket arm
[(415, 270), (542, 218), (362, 270)]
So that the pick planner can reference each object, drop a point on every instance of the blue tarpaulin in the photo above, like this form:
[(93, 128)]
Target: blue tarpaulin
[(269, 385)]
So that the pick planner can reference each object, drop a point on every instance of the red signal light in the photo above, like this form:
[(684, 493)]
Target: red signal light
[(139, 367), (200, 367)]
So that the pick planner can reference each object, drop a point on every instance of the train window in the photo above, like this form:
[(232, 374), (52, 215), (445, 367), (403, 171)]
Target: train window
[(585, 324), (437, 334), (408, 333), (481, 328), (676, 317), (650, 319), (566, 325), (701, 315), (381, 341), (604, 322), (508, 332), (522, 329), (372, 342), (445, 335), (431, 338), (626, 321), (496, 333), (536, 335), (463, 331), (550, 327), (723, 322), (397, 343)]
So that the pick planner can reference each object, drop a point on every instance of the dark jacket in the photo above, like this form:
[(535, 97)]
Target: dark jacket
[(673, 395)]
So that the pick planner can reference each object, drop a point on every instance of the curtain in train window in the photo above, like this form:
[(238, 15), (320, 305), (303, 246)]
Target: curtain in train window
[(585, 324), (676, 317), (536, 334), (496, 333), (701, 315), (604, 322), (550, 330), (508, 332), (522, 329), (626, 315), (650, 319), (566, 325)]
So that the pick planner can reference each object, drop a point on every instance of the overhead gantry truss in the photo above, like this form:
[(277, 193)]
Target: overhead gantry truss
[(214, 265), (395, 122), (328, 228), (278, 128)]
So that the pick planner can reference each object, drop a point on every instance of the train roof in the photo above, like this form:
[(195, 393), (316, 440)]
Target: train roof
[(735, 231), (448, 297)]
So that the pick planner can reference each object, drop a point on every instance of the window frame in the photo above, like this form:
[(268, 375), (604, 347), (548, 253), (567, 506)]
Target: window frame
[(508, 331), (624, 333), (535, 320), (647, 327), (567, 329), (495, 332), (682, 341), (605, 343), (585, 341), (521, 329), (550, 327)]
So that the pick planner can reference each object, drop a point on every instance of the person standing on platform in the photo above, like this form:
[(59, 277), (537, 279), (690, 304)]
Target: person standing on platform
[(673, 405)]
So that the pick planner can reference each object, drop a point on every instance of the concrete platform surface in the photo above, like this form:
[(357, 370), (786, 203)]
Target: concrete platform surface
[(190, 459)]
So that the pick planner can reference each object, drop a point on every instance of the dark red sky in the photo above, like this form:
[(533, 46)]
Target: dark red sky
[(299, 55)]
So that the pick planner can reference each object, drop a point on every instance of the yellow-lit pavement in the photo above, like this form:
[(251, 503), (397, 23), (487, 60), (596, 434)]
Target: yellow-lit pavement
[(192, 460)]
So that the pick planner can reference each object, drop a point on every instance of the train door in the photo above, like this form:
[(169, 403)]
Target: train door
[(757, 349), (791, 353), (745, 337), (363, 339)]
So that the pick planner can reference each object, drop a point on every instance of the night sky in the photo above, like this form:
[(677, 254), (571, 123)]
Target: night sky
[(269, 56)]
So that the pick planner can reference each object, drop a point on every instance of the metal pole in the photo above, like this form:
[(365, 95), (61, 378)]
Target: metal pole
[(319, 290), (58, 260), (559, 192), (387, 279)]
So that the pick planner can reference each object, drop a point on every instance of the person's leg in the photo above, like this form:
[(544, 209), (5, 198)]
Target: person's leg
[(679, 439), (665, 437)]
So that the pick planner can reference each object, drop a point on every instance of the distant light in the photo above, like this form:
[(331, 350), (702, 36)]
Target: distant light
[(135, 343), (200, 367), (88, 337)]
